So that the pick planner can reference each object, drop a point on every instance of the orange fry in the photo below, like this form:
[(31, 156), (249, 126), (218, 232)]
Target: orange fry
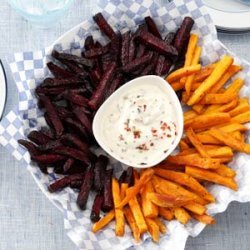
[(164, 200), (138, 216), (153, 229), (183, 145), (124, 187), (235, 86), (218, 71), (185, 180), (161, 225), (218, 98), (177, 85), (190, 79), (193, 40), (133, 191), (166, 213), (186, 71), (196, 143), (163, 186), (195, 208), (242, 118), (242, 107), (103, 221), (212, 177), (204, 73), (119, 216), (207, 120), (206, 219), (230, 141), (232, 70), (223, 170), (132, 224), (150, 210), (181, 215), (194, 161)]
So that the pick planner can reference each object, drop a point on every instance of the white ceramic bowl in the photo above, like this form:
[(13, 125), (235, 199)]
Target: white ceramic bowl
[(150, 79)]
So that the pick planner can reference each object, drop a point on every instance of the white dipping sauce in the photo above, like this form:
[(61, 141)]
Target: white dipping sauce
[(140, 125)]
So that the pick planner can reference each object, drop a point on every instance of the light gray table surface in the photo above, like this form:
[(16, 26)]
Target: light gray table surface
[(28, 221)]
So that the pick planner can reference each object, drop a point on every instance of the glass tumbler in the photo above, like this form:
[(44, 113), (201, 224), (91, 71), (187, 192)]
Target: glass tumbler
[(41, 13)]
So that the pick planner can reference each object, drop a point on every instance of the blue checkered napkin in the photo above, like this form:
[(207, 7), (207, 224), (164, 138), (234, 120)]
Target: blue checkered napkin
[(29, 68)]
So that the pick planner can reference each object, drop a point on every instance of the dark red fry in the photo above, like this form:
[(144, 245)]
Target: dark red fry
[(64, 113), (53, 115), (75, 184), (107, 193), (54, 82), (125, 48), (75, 98), (123, 177), (99, 172), (59, 184), (88, 86), (77, 126), (38, 137), (137, 63), (76, 59), (141, 47), (140, 51), (106, 60), (149, 69), (32, 148), (97, 51), (49, 91), (116, 83), (104, 26), (58, 72), (77, 167), (85, 188), (99, 94), (89, 43), (79, 91), (130, 177), (164, 64), (152, 27), (68, 164), (83, 118), (131, 50), (48, 132), (95, 76), (156, 44), (73, 140), (47, 119), (51, 145), (96, 208), (73, 153), (115, 47), (76, 69), (183, 34), (47, 158), (64, 182)]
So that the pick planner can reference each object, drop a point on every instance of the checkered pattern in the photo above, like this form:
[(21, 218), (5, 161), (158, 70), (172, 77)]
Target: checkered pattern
[(29, 68)]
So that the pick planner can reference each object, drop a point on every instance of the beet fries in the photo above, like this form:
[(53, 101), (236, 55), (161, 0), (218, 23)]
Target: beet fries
[(85, 188), (77, 87), (96, 208)]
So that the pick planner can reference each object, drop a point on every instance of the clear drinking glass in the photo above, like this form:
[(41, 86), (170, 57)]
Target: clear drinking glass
[(42, 13)]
